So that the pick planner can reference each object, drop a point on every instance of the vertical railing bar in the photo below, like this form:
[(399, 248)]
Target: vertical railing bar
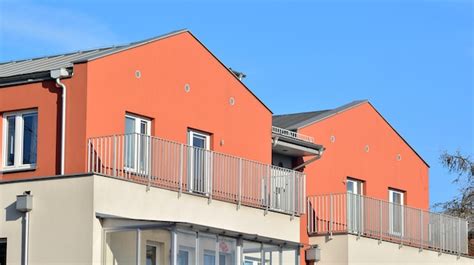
[(181, 165), (239, 202), (330, 214)]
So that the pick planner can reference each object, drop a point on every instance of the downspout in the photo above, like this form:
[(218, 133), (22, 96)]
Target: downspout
[(58, 74), (317, 157)]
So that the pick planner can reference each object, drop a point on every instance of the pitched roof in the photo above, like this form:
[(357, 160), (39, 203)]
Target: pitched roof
[(37, 69), (295, 121), (48, 63)]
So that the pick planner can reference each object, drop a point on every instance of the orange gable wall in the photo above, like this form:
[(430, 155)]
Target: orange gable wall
[(166, 66), (353, 130), (46, 98), (379, 168)]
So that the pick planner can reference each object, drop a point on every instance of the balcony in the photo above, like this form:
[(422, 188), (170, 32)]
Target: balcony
[(294, 144), (174, 166), (292, 134), (349, 213)]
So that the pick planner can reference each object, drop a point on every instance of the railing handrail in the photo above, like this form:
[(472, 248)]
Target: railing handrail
[(206, 150), (383, 220), (178, 166), (292, 134), (388, 202)]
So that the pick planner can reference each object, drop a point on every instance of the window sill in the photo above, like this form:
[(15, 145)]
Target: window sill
[(18, 169)]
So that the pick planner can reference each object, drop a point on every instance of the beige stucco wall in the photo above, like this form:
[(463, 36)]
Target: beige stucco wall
[(348, 249), (131, 200), (60, 222), (65, 230)]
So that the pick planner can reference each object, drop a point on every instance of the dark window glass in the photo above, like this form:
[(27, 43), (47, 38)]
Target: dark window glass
[(3, 251), (30, 130), (10, 141), (150, 255), (183, 257)]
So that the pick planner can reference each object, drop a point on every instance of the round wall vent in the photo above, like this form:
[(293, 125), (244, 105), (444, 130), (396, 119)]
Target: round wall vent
[(138, 74), (187, 88), (366, 148), (399, 157), (332, 138), (232, 101)]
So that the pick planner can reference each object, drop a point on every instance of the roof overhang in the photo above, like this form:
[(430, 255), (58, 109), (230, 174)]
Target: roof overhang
[(145, 224), (293, 147)]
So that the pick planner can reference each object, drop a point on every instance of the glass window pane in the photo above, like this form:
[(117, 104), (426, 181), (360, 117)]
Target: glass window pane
[(10, 141), (252, 252), (129, 143), (150, 255), (186, 248), (30, 132), (143, 127), (227, 249), (207, 249), (129, 125), (3, 251)]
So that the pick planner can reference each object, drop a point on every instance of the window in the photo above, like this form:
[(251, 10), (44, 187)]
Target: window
[(3, 251), (137, 142), (20, 130), (355, 186), (199, 161), (396, 211), (151, 258), (355, 205)]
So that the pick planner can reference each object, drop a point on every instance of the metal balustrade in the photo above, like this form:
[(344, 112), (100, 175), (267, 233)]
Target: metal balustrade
[(385, 221), (292, 134), (161, 163)]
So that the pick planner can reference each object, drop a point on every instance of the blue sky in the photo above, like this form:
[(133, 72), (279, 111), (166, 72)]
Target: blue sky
[(414, 60)]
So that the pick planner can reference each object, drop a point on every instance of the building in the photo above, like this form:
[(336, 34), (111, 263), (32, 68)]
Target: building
[(155, 152), (369, 187)]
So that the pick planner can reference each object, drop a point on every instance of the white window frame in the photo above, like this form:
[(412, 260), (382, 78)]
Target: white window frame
[(158, 250), (18, 148), (355, 184), (390, 213), (137, 131), (207, 175), (355, 205)]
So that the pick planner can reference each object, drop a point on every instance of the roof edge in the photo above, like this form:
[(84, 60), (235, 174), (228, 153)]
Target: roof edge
[(353, 105), (328, 114), (135, 44)]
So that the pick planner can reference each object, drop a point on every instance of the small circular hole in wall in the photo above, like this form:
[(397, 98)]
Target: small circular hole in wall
[(332, 138), (138, 74), (366, 148), (232, 101), (187, 88), (399, 157)]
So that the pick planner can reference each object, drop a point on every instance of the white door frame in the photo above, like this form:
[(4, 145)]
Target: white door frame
[(135, 137), (206, 156), (391, 211)]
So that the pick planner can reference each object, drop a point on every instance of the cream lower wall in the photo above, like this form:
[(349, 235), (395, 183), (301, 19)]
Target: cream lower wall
[(60, 222), (65, 230), (348, 249), (131, 200)]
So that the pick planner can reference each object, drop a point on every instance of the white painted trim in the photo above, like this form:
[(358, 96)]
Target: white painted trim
[(18, 148), (391, 209)]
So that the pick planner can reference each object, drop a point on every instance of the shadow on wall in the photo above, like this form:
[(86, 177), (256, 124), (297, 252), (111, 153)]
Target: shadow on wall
[(52, 88), (11, 214)]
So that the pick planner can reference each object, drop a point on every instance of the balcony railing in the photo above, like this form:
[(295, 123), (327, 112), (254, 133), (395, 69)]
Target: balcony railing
[(292, 134), (170, 165), (373, 218)]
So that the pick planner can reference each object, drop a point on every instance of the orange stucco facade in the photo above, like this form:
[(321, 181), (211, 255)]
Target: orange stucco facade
[(360, 144), (103, 90)]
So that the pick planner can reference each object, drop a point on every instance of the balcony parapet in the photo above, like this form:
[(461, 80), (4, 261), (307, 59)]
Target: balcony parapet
[(175, 166), (364, 216)]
